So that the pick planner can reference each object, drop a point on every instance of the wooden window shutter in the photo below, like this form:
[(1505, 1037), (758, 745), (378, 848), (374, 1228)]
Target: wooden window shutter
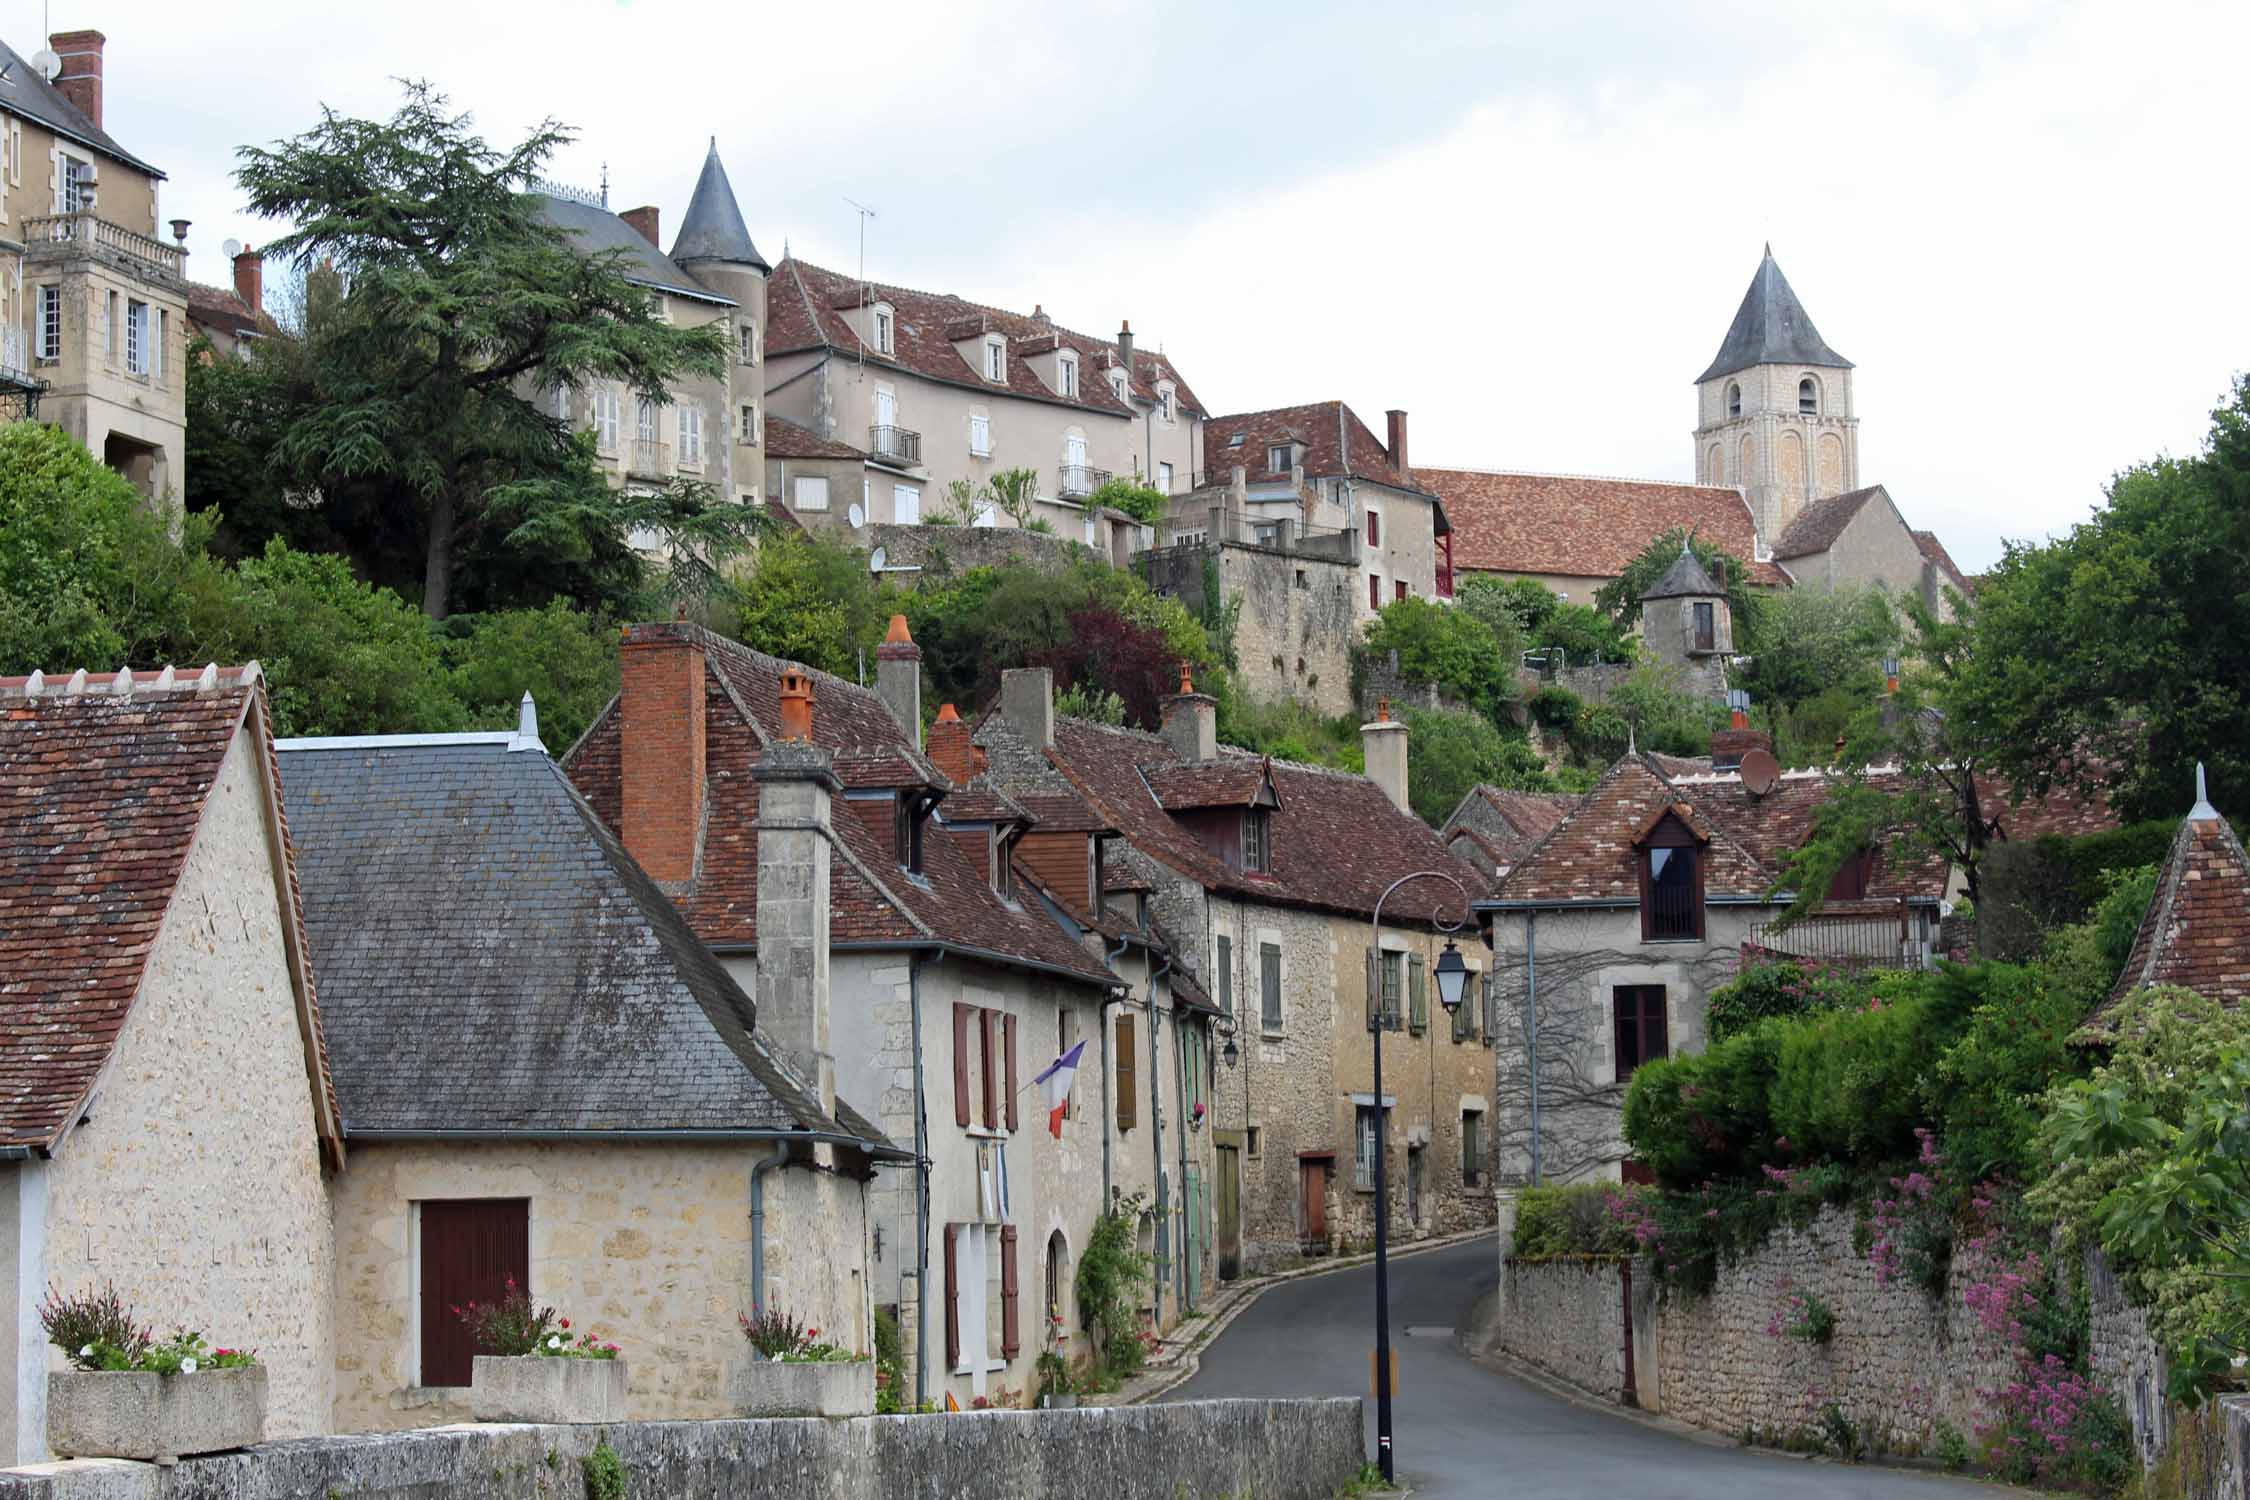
[(1417, 994), (1008, 1050), (1127, 1107), (960, 1063), (1011, 1321), (952, 1295), (985, 1019)]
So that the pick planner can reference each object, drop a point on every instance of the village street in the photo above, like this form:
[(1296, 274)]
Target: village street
[(1464, 1430)]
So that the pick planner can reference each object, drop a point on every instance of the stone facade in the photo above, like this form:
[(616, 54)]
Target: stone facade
[(194, 1183), (1296, 600), (2126, 1361), (644, 1244), (1566, 1317), (948, 551), (1275, 1450), (1876, 549), (1780, 457)]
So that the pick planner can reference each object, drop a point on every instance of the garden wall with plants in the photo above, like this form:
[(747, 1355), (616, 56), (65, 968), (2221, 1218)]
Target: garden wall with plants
[(1277, 1450), (1567, 1316)]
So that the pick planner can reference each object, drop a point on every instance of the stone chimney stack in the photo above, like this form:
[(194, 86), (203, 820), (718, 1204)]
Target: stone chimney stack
[(1125, 346), (1384, 744), (250, 279), (898, 678), (796, 787), (1398, 443), (1191, 721), (951, 749), (80, 80), (645, 220), (660, 747), (1027, 701)]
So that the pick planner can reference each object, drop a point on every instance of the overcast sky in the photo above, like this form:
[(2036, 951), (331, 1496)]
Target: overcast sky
[(1527, 224)]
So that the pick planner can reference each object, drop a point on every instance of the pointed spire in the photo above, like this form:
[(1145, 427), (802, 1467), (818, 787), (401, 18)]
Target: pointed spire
[(527, 724), (2203, 811), (1771, 328), (713, 228)]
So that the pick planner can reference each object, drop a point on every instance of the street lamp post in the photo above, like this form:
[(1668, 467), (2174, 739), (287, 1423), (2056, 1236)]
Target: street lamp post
[(1452, 974)]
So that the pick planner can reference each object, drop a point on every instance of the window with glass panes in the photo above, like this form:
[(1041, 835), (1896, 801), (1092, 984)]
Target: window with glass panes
[(1638, 1014), (1223, 962), (1269, 986)]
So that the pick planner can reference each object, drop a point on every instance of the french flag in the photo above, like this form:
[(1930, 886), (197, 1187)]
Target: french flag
[(1059, 1076)]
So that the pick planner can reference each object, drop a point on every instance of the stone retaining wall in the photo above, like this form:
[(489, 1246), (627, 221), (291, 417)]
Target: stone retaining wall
[(1196, 1450), (1568, 1318)]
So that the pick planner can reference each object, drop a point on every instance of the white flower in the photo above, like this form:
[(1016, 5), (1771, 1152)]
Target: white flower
[(554, 1341), (187, 1366), (87, 1352)]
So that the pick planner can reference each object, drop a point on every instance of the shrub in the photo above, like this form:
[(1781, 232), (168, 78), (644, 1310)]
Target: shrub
[(1780, 988), (84, 1325), (1110, 1276), (604, 1473), (515, 1327), (1583, 1218), (1556, 708), (1439, 644), (2016, 1044), (1847, 1085), (1703, 1115), (1451, 752), (2118, 915)]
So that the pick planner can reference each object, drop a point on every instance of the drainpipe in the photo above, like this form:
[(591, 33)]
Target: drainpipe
[(1531, 997), (1187, 1203), (1156, 1141), (1109, 1119), (758, 1225), (921, 1190)]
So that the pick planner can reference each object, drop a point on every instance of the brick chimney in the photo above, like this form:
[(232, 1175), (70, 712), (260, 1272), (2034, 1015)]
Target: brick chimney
[(250, 279), (1027, 702), (1191, 721), (796, 787), (1384, 745), (1398, 443), (898, 679), (660, 747), (644, 220), (80, 80), (950, 748)]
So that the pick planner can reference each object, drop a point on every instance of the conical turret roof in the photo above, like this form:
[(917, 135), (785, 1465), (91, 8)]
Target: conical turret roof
[(1771, 328), (1684, 579), (713, 228)]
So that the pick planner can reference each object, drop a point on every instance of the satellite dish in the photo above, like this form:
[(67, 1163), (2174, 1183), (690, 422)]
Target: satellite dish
[(1759, 772), (47, 63), (858, 517), (875, 560), (231, 249)]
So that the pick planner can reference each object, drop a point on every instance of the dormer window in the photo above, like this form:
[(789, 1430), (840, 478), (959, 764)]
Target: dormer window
[(1277, 458), (996, 359), (1734, 399), (909, 833), (1164, 401), (1003, 866), (1066, 376), (1117, 384), (885, 343), (1257, 840), (1671, 871), (1808, 397)]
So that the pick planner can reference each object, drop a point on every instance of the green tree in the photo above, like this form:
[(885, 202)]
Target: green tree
[(1620, 598), (1449, 753), (2119, 654), (1527, 601), (1142, 502), (1818, 640), (1439, 644), (1584, 635), (564, 657), (461, 305)]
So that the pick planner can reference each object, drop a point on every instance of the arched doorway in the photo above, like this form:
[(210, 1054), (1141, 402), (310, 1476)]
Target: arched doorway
[(1058, 1303)]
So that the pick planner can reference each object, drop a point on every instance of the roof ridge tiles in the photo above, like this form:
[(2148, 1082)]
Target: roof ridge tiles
[(1685, 484)]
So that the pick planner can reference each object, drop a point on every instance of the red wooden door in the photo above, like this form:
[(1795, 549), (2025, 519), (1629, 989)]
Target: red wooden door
[(1315, 1175), (470, 1247)]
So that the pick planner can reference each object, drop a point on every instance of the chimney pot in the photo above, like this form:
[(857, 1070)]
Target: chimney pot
[(898, 678), (1397, 422), (1383, 745), (950, 749), (80, 80), (644, 219), (796, 704)]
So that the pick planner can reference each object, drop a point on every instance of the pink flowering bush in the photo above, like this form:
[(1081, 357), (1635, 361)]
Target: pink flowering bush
[(2053, 1426)]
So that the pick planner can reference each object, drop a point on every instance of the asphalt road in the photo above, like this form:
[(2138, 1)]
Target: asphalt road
[(1461, 1430)]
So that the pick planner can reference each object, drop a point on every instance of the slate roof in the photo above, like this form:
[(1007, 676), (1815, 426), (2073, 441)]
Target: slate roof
[(495, 963), (712, 228), (1577, 526), (101, 794), (2196, 932), (593, 229), (23, 92), (1771, 328), (1819, 524), (805, 307), (1529, 816), (1337, 444), (1337, 840), (1687, 577), (785, 439), (872, 902)]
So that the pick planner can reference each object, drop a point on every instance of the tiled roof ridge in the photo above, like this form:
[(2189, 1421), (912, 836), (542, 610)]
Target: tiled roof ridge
[(127, 682), (711, 639), (1104, 344), (1685, 484), (1819, 524)]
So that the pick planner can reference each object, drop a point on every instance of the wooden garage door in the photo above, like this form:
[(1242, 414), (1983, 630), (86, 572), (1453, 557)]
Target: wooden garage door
[(470, 1247)]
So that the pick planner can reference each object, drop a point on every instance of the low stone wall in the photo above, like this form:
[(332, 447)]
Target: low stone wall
[(1567, 1317), (1195, 1450), (2126, 1361), (949, 551)]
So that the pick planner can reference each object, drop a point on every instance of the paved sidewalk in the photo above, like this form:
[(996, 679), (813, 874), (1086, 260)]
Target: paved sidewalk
[(1180, 1355)]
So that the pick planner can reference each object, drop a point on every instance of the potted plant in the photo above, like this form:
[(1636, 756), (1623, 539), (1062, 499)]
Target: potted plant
[(792, 1372), (1056, 1388), (131, 1395), (530, 1366)]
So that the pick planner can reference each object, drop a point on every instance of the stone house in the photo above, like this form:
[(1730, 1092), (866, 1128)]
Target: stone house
[(941, 390), (951, 980), (711, 429), (545, 1076), (1266, 874), (1318, 471), (231, 316), (1494, 827), (168, 1124), (1859, 539), (93, 304)]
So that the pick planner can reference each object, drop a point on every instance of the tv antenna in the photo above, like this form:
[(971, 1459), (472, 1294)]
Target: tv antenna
[(865, 213)]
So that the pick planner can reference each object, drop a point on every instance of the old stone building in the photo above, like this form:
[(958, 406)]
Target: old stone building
[(1859, 539), (544, 1075), (1267, 875), (169, 1126), (93, 304), (1494, 827)]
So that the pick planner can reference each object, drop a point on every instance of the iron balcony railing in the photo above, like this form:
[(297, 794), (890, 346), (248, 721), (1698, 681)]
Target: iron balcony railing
[(899, 445), (1077, 481), (649, 459), (85, 233)]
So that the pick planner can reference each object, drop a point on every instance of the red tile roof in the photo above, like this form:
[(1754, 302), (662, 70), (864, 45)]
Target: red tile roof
[(785, 439), (805, 310), (1592, 854), (1934, 550), (220, 307), (871, 899), (2196, 932), (1337, 445), (1580, 527), (1232, 782), (101, 794)]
